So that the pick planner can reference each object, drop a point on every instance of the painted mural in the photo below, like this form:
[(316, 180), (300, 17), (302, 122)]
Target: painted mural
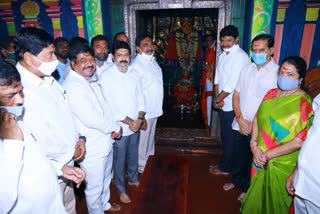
[(93, 18), (261, 18), (58, 17)]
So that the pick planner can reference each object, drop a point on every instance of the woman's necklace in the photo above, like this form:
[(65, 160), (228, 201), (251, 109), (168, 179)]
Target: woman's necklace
[(280, 96)]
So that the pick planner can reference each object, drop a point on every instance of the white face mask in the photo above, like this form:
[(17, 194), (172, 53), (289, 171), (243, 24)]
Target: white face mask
[(146, 56), (47, 68), (228, 50)]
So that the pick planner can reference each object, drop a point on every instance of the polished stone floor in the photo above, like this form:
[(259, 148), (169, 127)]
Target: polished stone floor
[(204, 191)]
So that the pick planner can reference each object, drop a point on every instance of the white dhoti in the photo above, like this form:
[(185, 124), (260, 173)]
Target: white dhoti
[(146, 143), (209, 107)]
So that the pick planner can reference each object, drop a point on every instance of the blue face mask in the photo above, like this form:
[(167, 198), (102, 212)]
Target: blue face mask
[(17, 110), (259, 59), (287, 84)]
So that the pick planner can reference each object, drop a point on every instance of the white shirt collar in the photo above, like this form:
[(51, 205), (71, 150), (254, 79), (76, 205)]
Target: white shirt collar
[(32, 78)]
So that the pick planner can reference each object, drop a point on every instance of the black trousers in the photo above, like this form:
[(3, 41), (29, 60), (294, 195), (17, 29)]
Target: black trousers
[(226, 118), (242, 158)]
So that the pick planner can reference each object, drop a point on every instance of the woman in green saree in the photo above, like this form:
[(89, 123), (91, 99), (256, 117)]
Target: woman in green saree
[(278, 131)]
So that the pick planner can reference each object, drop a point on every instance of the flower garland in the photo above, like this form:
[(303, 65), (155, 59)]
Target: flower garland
[(187, 48)]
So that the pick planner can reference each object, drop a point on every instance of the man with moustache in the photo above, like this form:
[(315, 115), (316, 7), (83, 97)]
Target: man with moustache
[(22, 162), (47, 112), (150, 74), (123, 91), (230, 63), (121, 36), (255, 80), (94, 117), (99, 45), (61, 46)]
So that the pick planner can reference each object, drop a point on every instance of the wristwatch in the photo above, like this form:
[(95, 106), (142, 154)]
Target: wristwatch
[(141, 118), (84, 138)]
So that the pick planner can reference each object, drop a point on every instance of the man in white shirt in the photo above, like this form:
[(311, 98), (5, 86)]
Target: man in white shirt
[(100, 48), (22, 163), (149, 73), (94, 118), (255, 80), (123, 91), (73, 41), (47, 111), (121, 36), (62, 50), (304, 181), (230, 63)]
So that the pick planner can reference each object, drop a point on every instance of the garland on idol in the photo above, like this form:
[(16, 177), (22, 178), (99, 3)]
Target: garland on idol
[(187, 49)]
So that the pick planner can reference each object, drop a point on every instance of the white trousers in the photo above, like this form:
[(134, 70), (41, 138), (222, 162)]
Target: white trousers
[(209, 107), (98, 170), (69, 200), (303, 206), (146, 143)]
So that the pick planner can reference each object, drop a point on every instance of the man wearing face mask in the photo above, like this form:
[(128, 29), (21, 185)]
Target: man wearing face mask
[(148, 71), (47, 111), (255, 80), (122, 90), (22, 163), (100, 48), (230, 63), (7, 49)]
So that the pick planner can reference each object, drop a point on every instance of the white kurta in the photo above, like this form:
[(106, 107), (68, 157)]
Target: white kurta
[(150, 75), (93, 116), (228, 71), (124, 94), (104, 67), (307, 183), (28, 181), (252, 86), (48, 115)]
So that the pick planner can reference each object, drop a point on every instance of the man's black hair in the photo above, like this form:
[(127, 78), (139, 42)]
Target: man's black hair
[(115, 36), (120, 45), (267, 37), (8, 73), (99, 38), (78, 40), (79, 48), (229, 30), (59, 39), (5, 42), (142, 37), (31, 39)]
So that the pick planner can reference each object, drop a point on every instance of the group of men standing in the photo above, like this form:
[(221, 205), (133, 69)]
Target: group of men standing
[(102, 115), (239, 88)]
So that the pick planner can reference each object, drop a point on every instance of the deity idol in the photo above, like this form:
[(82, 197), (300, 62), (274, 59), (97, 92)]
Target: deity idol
[(185, 53)]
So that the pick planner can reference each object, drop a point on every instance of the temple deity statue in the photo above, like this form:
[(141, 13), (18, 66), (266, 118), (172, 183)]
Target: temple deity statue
[(184, 56)]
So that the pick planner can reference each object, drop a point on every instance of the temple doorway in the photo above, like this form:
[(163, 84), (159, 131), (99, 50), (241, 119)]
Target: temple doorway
[(178, 35)]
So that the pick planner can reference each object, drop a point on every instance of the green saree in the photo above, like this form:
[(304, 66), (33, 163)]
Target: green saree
[(280, 120)]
